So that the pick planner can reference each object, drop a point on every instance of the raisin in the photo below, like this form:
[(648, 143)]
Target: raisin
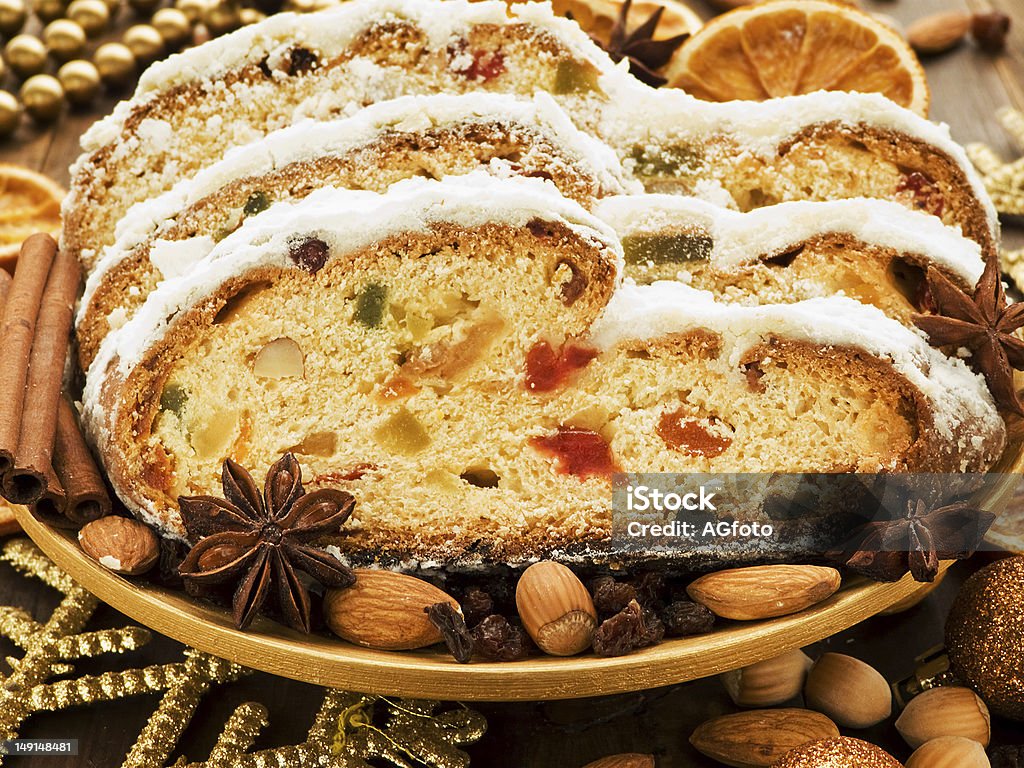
[(685, 617), (631, 628), (370, 305), (573, 288), (452, 626), (258, 202), (476, 605), (611, 596), (497, 639), (301, 60), (309, 254), (1008, 756), (650, 590)]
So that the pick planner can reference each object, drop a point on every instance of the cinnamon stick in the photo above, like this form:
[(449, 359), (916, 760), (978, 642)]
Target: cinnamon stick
[(26, 480), (85, 493), (49, 508), (17, 329)]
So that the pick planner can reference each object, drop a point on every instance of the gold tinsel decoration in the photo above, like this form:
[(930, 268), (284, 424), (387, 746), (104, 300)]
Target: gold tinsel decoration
[(350, 729), (1003, 180)]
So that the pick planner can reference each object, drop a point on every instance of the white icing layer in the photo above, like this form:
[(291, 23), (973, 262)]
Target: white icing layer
[(956, 393), (310, 139), (740, 238)]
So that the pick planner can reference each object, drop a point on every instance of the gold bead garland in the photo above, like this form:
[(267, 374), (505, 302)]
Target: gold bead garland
[(70, 26), (344, 732)]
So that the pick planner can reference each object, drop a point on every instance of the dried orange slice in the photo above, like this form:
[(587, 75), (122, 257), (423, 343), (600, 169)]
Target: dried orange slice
[(29, 203), (786, 47)]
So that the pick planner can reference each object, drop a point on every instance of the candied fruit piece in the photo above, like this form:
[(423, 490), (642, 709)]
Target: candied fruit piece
[(402, 433), (675, 248), (672, 162), (173, 399), (258, 202), (280, 359), (447, 360), (923, 192), (579, 452), (547, 370), (317, 444), (370, 305), (683, 433), (576, 77), (213, 438)]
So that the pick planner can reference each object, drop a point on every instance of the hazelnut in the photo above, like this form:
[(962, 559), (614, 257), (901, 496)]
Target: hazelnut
[(556, 609), (989, 30), (849, 691), (120, 544), (949, 752), (945, 711), (769, 682)]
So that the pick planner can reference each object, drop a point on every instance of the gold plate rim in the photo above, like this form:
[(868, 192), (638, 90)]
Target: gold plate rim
[(273, 648)]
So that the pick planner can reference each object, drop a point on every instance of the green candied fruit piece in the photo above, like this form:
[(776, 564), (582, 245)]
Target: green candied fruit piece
[(666, 161), (402, 433), (258, 202), (370, 304), (673, 248), (575, 77), (173, 399)]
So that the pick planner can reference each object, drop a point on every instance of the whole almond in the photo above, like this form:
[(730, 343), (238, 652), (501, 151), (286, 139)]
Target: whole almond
[(760, 737), (556, 609), (770, 682), (764, 591), (625, 760), (945, 711), (385, 610), (949, 752), (120, 544), (939, 32), (852, 693)]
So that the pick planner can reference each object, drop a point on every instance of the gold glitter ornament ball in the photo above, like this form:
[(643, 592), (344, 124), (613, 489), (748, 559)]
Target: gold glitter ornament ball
[(10, 114), (25, 55), (48, 10), (842, 752), (43, 97), (81, 81), (144, 42), (115, 63), (13, 14), (173, 26), (92, 16), (985, 636), (64, 39)]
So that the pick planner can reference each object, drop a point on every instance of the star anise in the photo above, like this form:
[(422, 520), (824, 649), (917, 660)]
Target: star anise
[(645, 54), (263, 540), (917, 541), (984, 324)]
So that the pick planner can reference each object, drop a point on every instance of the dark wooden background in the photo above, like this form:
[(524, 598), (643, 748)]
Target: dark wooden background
[(968, 86)]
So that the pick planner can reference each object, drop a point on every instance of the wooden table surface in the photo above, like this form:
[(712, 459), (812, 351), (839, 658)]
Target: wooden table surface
[(968, 86)]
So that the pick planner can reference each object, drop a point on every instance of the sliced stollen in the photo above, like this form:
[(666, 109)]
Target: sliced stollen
[(194, 106), (415, 136), (396, 352), (370, 339), (874, 251), (828, 145)]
